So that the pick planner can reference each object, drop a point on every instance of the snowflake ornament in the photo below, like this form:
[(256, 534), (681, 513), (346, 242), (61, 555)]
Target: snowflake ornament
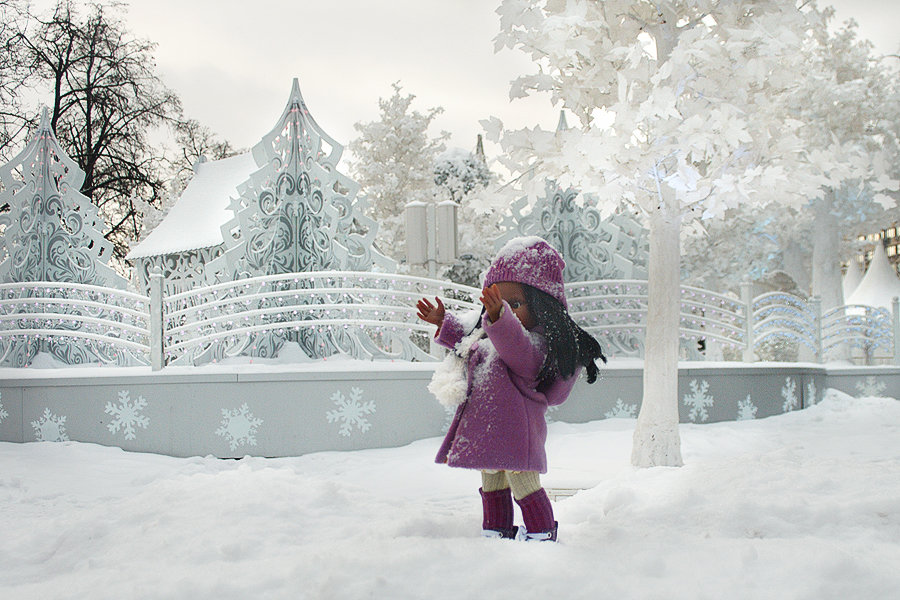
[(350, 412), (789, 393), (622, 411), (127, 415), (870, 388), (812, 393), (699, 400), (746, 409), (3, 413), (239, 426), (50, 428)]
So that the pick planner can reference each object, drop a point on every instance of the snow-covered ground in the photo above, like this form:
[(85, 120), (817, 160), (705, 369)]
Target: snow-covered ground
[(803, 505)]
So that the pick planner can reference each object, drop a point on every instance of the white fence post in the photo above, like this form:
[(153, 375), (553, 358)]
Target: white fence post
[(749, 356), (895, 305), (157, 351), (816, 304)]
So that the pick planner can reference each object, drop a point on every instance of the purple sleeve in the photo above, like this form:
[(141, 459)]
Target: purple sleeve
[(558, 391), (522, 351), (451, 331)]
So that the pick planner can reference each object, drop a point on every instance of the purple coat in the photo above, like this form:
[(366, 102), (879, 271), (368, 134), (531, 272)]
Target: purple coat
[(501, 424)]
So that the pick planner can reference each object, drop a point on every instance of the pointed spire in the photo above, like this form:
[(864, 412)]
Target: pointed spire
[(45, 119), (479, 149), (562, 125)]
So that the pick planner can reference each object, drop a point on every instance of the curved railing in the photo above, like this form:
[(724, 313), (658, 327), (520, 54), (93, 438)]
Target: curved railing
[(859, 327), (615, 311), (778, 315), (712, 317), (75, 323), (372, 315), (360, 314)]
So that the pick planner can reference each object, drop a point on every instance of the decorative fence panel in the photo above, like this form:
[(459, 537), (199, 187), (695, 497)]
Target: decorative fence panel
[(785, 318), (359, 314), (368, 315), (74, 323), (872, 332), (615, 312)]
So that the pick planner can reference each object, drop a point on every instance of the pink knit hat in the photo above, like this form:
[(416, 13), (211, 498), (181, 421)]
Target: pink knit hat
[(529, 260)]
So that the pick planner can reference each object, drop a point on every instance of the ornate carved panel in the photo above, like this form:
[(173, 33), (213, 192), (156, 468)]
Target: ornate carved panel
[(52, 232), (594, 248)]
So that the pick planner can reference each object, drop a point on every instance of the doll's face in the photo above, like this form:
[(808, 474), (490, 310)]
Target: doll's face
[(514, 294)]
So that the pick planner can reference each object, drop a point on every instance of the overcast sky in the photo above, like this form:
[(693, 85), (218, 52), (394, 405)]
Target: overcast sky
[(232, 61)]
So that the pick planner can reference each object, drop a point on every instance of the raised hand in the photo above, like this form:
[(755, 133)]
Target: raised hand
[(493, 302), (429, 312)]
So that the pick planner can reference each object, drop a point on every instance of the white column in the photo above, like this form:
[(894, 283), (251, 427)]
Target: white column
[(157, 349), (416, 233)]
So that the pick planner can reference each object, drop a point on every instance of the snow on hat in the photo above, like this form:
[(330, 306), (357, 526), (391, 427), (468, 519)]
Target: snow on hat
[(529, 260)]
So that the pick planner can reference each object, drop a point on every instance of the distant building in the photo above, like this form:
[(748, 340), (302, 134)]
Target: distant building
[(890, 237)]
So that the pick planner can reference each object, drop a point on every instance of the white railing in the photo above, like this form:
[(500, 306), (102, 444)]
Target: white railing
[(76, 323), (369, 315), (361, 314), (872, 332)]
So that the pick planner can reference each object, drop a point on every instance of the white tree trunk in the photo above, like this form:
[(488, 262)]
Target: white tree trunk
[(656, 441), (826, 268)]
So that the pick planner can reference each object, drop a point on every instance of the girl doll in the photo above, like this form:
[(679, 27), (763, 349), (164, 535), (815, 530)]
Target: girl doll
[(523, 356)]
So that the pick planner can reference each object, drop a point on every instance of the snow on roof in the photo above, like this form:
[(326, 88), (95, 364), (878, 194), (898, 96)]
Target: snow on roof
[(880, 284), (196, 219)]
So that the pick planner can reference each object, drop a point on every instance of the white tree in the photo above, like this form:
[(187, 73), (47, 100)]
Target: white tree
[(850, 107), (459, 172), (678, 103), (394, 164), (744, 246)]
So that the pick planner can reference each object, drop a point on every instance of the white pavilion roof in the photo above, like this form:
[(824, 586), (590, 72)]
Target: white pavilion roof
[(852, 278), (196, 219), (880, 283)]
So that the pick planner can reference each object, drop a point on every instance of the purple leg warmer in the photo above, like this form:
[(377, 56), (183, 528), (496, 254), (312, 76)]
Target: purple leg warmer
[(537, 512), (498, 509)]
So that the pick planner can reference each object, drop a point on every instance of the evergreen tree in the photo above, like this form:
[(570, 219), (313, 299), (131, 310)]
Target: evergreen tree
[(849, 104)]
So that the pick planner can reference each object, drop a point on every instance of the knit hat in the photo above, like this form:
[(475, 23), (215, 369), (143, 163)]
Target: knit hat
[(532, 261)]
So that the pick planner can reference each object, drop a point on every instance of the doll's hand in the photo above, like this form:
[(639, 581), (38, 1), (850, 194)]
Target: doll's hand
[(493, 302), (429, 312)]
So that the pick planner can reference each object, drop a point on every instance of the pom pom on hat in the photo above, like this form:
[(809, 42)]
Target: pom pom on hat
[(532, 261)]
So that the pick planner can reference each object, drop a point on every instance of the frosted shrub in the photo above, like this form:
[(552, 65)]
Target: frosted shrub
[(778, 349)]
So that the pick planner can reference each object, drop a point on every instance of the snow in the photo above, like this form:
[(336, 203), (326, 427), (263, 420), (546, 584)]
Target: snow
[(196, 219), (802, 505), (879, 285), (518, 245), (454, 154)]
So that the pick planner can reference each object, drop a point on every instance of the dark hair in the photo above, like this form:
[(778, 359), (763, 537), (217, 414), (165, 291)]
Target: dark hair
[(568, 345)]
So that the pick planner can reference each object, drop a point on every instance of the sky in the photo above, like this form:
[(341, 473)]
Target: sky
[(232, 61)]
